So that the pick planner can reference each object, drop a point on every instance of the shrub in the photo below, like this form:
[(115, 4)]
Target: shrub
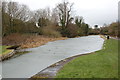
[(72, 30), (113, 29), (49, 31)]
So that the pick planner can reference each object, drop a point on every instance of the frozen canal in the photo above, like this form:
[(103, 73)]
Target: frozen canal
[(41, 57)]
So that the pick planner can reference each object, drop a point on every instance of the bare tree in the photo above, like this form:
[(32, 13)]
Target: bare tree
[(44, 14), (3, 9), (17, 11), (79, 20), (23, 13), (36, 15), (13, 8), (65, 9), (55, 16), (3, 6)]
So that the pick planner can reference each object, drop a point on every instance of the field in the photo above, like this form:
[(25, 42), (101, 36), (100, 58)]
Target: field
[(100, 64)]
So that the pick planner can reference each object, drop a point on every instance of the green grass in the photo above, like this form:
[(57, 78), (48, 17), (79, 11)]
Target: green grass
[(3, 50), (101, 64)]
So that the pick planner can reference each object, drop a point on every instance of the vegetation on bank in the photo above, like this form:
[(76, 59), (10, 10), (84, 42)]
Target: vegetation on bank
[(53, 23), (56, 22), (28, 40), (100, 64), (16, 54), (4, 50), (18, 18), (112, 29)]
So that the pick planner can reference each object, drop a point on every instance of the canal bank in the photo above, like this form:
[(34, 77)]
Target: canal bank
[(52, 70), (41, 57), (102, 64)]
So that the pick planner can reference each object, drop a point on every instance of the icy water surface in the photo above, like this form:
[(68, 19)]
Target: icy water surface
[(41, 57)]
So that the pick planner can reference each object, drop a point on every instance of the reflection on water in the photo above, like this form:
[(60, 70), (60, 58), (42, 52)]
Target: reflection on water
[(41, 57)]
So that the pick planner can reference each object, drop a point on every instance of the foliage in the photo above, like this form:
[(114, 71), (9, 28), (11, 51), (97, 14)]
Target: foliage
[(113, 29), (17, 18), (83, 28), (17, 26), (49, 31), (104, 30), (94, 31), (71, 30), (43, 22), (65, 18), (79, 21)]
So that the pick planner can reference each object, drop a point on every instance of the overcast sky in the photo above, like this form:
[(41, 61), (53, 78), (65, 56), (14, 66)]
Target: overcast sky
[(93, 11)]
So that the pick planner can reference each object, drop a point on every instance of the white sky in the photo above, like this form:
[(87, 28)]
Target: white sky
[(93, 11)]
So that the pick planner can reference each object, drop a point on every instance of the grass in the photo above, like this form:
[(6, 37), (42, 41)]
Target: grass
[(3, 50), (102, 64)]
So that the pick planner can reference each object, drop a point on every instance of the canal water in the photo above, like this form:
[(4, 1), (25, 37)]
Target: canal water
[(41, 57)]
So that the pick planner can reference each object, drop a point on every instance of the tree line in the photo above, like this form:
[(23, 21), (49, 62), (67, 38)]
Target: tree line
[(56, 22), (59, 21), (112, 29)]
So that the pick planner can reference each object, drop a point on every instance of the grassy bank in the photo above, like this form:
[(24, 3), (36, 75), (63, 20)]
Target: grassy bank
[(4, 50), (101, 64), (17, 54), (28, 40)]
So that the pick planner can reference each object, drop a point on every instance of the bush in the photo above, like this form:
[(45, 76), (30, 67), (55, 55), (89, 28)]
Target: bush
[(80, 32), (49, 31), (72, 31), (113, 29)]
